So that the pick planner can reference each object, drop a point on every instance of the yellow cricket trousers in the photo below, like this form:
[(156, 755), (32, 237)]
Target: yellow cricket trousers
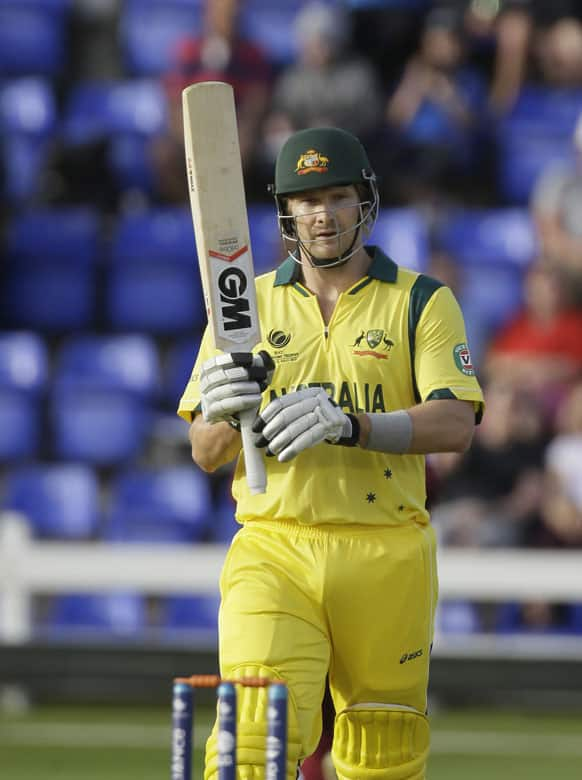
[(355, 601)]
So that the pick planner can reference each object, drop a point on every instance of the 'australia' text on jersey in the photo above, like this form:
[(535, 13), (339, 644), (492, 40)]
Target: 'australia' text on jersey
[(349, 396)]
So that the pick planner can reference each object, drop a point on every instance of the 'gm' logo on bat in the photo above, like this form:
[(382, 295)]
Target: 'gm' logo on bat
[(463, 359), (232, 284)]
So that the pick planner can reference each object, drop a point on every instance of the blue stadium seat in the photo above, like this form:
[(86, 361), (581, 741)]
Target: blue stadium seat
[(67, 233), (20, 426), (190, 613), (548, 107), (27, 122), (490, 236), (270, 26), (150, 30), (508, 618), (23, 362), (179, 366), (61, 501), (33, 37), (97, 615), (536, 133), (97, 108), (49, 274), (491, 294), (171, 504), (23, 380), (575, 618), (128, 114), (154, 235), (403, 234), (268, 250), (101, 404), (105, 428), (493, 248), (524, 152), (458, 617), (489, 297), (153, 279), (405, 5), (126, 363)]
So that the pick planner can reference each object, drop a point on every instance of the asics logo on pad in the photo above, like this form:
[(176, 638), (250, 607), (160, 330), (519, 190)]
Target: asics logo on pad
[(411, 656)]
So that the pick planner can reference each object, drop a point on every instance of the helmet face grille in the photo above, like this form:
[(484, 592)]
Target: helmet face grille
[(368, 213)]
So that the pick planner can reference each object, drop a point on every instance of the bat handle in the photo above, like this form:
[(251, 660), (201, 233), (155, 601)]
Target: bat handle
[(254, 463)]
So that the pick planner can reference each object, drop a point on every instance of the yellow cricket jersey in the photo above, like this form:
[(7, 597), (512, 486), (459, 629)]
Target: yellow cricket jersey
[(395, 338)]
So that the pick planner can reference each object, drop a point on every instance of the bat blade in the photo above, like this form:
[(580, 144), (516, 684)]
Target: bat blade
[(219, 214)]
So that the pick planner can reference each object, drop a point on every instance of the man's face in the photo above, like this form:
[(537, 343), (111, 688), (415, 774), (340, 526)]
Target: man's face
[(325, 219)]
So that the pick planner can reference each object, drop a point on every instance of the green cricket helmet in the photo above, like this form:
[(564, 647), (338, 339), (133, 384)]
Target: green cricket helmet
[(324, 157), (320, 157)]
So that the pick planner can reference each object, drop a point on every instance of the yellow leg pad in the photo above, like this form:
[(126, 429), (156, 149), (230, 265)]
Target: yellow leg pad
[(380, 744), (252, 731)]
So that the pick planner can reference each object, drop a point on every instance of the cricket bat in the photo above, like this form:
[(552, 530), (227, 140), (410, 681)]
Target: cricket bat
[(219, 214)]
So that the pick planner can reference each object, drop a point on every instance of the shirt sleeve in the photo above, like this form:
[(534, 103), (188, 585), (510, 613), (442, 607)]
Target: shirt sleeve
[(190, 400), (442, 360)]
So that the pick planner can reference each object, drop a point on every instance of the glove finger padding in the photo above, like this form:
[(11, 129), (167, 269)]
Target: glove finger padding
[(238, 366), (299, 420), (304, 440), (306, 423), (221, 404), (284, 414), (232, 383)]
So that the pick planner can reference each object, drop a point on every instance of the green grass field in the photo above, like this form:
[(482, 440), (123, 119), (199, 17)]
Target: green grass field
[(96, 743)]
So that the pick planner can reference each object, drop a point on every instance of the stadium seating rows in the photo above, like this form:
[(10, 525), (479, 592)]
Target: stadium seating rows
[(54, 258), (126, 615), (128, 113), (112, 383)]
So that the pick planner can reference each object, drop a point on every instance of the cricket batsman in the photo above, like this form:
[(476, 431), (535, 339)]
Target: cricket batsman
[(363, 370)]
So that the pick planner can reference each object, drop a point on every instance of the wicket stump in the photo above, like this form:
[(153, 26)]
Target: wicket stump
[(183, 723)]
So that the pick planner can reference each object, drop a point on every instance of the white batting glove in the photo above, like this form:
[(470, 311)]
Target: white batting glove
[(296, 421), (232, 383)]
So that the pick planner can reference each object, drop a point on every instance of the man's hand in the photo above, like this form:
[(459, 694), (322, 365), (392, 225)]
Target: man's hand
[(296, 421), (232, 383)]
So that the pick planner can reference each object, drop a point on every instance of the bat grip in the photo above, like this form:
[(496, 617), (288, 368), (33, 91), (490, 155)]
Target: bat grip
[(254, 463)]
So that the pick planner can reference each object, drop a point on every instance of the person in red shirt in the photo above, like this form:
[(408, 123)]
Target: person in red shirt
[(219, 53), (541, 347)]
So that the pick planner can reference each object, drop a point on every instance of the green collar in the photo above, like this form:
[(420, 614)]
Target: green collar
[(381, 268)]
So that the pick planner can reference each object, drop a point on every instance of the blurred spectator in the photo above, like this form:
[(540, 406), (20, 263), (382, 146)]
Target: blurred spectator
[(508, 39), (541, 347), (95, 52), (558, 54), (503, 30), (385, 33), (328, 85), (436, 106), (562, 502), (489, 496), (219, 54), (556, 206), (79, 174)]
